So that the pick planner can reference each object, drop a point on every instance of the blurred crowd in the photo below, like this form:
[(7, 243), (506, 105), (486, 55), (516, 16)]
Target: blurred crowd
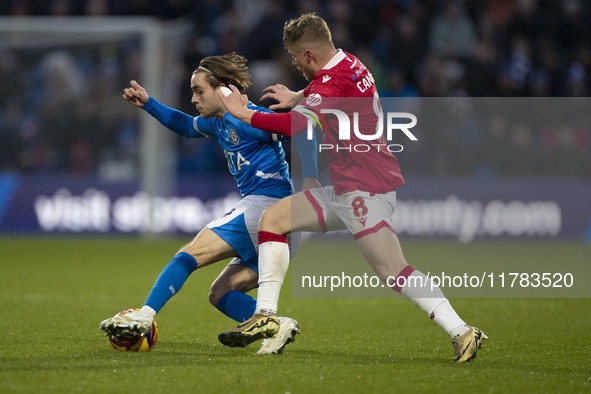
[(425, 48)]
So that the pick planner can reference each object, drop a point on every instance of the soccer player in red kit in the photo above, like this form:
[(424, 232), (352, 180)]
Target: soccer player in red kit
[(364, 192)]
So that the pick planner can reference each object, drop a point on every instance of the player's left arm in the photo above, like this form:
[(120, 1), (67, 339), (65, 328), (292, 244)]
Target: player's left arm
[(285, 98), (236, 104)]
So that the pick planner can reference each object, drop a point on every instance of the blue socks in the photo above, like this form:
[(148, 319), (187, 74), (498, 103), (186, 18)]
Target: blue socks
[(170, 280), (237, 305), (234, 304)]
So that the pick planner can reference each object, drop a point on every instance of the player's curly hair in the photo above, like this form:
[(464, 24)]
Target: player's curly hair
[(227, 69), (308, 27)]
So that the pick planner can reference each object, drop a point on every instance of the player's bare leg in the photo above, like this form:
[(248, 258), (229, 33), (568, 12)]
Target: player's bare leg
[(206, 248), (275, 223), (229, 292), (234, 277), (383, 252)]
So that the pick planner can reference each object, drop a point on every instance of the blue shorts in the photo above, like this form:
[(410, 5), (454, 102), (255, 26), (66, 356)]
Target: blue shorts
[(239, 229)]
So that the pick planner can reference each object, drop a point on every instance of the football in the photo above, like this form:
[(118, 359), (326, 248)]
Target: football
[(143, 343)]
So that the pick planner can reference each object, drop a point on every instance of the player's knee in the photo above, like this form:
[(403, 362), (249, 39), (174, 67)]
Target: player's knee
[(263, 223), (269, 222), (215, 293), (214, 298)]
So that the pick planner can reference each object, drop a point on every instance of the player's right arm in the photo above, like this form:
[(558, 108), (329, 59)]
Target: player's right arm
[(177, 121), (135, 94)]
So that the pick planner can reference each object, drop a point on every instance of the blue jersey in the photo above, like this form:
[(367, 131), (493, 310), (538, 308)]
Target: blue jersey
[(255, 158)]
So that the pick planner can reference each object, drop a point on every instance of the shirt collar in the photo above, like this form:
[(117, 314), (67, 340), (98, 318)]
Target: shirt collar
[(336, 59)]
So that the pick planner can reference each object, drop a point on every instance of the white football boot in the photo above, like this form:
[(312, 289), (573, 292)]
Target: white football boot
[(130, 324), (288, 328)]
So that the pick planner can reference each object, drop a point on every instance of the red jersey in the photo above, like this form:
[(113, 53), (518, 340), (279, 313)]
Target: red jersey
[(346, 85)]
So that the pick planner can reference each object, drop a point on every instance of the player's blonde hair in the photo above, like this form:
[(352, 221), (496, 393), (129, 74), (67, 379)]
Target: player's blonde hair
[(308, 28), (227, 69)]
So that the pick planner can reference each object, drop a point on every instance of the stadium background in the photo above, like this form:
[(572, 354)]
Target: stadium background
[(69, 141), (72, 162), (421, 47)]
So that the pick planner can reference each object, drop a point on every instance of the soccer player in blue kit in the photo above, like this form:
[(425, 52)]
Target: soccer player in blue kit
[(256, 159)]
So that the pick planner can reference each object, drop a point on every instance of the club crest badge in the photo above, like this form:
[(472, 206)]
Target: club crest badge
[(234, 136)]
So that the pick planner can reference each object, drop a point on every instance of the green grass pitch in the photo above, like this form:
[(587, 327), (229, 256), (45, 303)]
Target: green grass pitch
[(55, 291)]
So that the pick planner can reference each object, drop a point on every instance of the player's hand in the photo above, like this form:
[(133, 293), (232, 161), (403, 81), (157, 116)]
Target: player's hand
[(310, 183), (135, 95), (236, 104), (282, 94)]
